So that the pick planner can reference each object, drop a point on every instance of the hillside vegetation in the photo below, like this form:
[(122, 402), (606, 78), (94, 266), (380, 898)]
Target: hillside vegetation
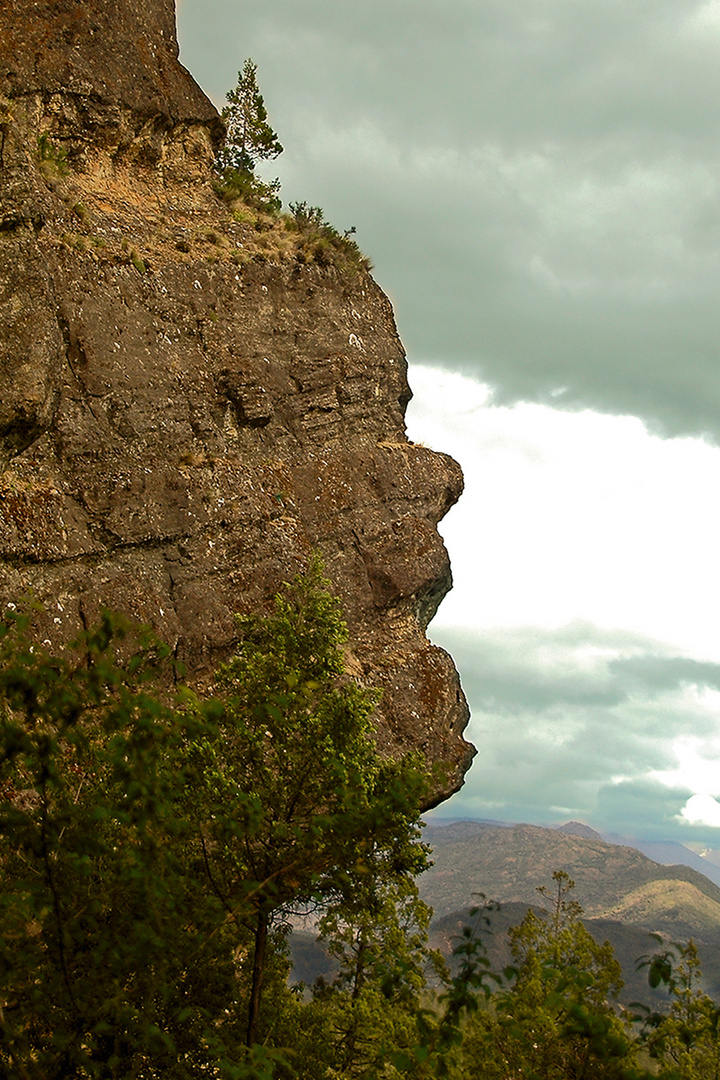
[(156, 844)]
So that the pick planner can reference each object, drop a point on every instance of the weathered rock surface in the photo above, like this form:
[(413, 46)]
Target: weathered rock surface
[(187, 406)]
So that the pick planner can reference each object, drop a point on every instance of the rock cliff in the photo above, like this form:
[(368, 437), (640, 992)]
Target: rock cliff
[(188, 403)]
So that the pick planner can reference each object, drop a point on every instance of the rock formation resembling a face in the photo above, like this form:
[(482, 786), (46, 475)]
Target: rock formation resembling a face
[(189, 405)]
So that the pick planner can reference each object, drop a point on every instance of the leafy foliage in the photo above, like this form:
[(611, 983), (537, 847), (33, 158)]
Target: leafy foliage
[(153, 845), (113, 962), (377, 932), (317, 807), (236, 184), (249, 139), (555, 1018), (685, 1040), (441, 1030), (150, 840)]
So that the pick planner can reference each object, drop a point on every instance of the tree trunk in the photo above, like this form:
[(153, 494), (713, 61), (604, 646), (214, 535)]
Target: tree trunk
[(258, 971)]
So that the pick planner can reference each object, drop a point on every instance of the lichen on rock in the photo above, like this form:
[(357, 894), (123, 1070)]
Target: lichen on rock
[(188, 406)]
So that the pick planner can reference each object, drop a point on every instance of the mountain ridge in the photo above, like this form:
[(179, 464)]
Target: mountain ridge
[(509, 862)]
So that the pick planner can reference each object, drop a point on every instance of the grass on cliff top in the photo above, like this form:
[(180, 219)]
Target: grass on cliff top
[(302, 232)]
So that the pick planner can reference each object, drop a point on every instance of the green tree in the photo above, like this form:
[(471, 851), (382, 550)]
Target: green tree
[(441, 1025), (378, 934), (314, 807), (685, 1039), (249, 136), (557, 1019), (111, 964), (150, 840)]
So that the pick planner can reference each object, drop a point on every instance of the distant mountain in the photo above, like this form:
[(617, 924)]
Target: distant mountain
[(576, 828), (669, 852), (711, 855), (509, 863), (624, 894)]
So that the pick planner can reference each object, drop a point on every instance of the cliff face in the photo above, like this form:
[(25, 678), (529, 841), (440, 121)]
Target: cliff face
[(187, 405)]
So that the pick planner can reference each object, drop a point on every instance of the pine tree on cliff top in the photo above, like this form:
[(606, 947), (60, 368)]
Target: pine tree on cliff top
[(249, 136)]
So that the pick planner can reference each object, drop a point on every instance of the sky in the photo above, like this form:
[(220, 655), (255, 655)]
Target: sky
[(538, 186)]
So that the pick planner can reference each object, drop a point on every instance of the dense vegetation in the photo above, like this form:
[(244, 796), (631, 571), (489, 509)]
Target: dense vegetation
[(152, 842), (155, 843), (625, 895)]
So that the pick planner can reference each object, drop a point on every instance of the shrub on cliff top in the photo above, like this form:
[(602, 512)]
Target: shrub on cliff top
[(236, 184), (320, 242)]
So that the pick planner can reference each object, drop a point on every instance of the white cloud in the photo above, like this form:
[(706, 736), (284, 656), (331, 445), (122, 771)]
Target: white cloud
[(697, 760), (701, 810), (598, 722), (705, 19), (574, 516), (584, 554)]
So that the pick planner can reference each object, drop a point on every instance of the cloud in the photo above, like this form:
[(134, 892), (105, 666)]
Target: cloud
[(584, 723), (584, 552), (701, 810), (657, 674), (536, 182), (648, 809), (574, 517)]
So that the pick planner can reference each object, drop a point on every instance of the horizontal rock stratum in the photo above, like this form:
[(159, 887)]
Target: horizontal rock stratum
[(189, 404)]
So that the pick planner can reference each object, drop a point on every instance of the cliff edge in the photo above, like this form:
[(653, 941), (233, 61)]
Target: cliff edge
[(189, 402)]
